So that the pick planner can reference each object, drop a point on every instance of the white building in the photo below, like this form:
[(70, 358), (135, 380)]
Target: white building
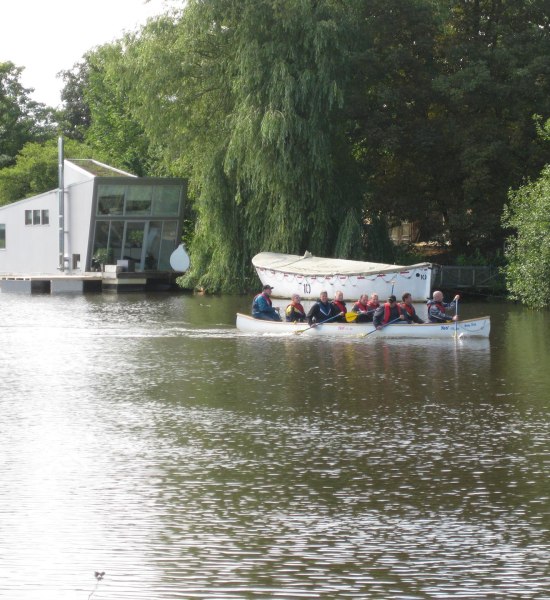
[(103, 213)]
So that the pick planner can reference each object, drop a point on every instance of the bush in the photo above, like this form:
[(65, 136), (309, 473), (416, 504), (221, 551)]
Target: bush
[(528, 247)]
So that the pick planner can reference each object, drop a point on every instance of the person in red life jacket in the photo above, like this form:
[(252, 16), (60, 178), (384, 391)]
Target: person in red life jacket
[(361, 307), (373, 303), (295, 312), (408, 309), (262, 307), (322, 310), (388, 313), (340, 306), (437, 308)]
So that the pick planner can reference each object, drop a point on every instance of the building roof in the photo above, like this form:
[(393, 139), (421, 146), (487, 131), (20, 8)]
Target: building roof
[(98, 169)]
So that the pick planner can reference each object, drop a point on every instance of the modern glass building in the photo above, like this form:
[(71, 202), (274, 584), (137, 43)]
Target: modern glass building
[(102, 216)]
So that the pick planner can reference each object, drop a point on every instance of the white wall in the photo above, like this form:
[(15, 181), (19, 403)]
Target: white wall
[(30, 249)]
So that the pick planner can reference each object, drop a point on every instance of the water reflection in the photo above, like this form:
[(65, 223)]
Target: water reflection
[(143, 436)]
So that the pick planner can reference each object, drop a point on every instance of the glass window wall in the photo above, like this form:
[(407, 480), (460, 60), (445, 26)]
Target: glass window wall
[(138, 200), (110, 199), (166, 201)]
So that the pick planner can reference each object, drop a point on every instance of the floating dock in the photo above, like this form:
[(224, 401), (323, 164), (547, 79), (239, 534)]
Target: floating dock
[(110, 280)]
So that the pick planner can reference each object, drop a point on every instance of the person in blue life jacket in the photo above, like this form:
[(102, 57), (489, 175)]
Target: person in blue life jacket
[(322, 310), (262, 306), (437, 308), (387, 313), (408, 309), (294, 312)]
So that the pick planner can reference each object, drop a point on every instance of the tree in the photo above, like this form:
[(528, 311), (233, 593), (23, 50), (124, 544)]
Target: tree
[(441, 116), (100, 110), (247, 98), (494, 73), (76, 115), (21, 119), (389, 112), (526, 215), (36, 169)]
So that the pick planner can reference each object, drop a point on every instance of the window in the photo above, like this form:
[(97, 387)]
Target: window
[(2, 237), (167, 201), (138, 200), (110, 199), (37, 217)]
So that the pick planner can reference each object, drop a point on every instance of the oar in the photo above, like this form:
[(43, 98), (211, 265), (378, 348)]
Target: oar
[(456, 316), (351, 316), (315, 324), (375, 330)]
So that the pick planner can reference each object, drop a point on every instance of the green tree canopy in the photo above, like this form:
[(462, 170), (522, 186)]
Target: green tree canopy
[(22, 120), (527, 216)]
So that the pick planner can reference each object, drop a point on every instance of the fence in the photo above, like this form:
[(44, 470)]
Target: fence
[(483, 279)]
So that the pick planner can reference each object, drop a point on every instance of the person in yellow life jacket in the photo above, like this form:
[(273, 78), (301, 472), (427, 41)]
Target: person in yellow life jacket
[(408, 309), (388, 313), (295, 312)]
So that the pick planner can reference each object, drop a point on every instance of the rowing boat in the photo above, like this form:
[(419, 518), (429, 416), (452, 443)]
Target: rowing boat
[(310, 275), (479, 327)]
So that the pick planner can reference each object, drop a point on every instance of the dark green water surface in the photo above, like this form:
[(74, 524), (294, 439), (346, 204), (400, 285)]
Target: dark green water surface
[(143, 436)]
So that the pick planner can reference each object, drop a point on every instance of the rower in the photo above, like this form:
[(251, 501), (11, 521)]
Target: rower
[(389, 312), (408, 309), (437, 308), (262, 307)]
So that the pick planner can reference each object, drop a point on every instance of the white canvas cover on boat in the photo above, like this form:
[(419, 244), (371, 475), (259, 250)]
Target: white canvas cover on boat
[(315, 265)]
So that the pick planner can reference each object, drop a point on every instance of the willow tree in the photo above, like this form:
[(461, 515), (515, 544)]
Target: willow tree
[(246, 98)]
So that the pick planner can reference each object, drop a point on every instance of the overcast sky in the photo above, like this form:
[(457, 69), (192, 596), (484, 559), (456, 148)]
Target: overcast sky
[(48, 36)]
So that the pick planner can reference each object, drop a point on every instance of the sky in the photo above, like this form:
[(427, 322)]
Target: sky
[(48, 36)]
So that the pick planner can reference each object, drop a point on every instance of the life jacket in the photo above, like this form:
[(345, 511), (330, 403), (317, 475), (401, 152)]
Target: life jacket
[(441, 307), (409, 309), (361, 307), (340, 305), (387, 312), (255, 301), (297, 308), (373, 305)]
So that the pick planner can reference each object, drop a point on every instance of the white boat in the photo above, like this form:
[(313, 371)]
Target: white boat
[(309, 275), (480, 327)]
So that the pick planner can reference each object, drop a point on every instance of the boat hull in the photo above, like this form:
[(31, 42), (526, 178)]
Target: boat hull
[(309, 276), (480, 327)]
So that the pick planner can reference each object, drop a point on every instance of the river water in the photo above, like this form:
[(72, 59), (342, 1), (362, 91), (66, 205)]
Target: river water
[(144, 437)]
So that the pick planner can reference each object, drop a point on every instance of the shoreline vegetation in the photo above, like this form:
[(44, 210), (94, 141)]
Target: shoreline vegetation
[(319, 126)]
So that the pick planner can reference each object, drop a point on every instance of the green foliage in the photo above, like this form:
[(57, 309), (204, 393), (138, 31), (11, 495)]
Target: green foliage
[(379, 246), (112, 130), (76, 116), (444, 124), (528, 248), (36, 170), (22, 120), (247, 98)]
